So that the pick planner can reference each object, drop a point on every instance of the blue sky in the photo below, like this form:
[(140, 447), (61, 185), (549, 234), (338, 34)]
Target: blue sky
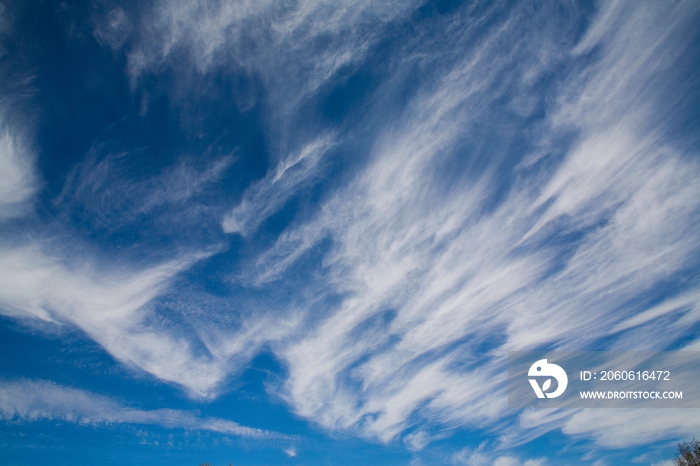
[(309, 231)]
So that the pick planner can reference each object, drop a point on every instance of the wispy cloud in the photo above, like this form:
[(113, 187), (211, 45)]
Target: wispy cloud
[(110, 307), (618, 428), (623, 428), (480, 457), (113, 28), (121, 301), (61, 280), (18, 183), (29, 401), (433, 267), (268, 195), (295, 47), (108, 196)]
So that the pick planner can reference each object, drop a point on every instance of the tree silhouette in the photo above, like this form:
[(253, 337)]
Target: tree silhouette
[(688, 454)]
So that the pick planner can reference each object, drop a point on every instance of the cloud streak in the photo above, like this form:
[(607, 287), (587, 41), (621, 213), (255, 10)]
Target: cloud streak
[(106, 195), (31, 401), (267, 196), (109, 307), (619, 428), (294, 47), (18, 183)]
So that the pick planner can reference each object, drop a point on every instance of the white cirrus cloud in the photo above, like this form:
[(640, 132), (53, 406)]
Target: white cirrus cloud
[(18, 182), (431, 269), (268, 195), (480, 457), (32, 400), (113, 30), (110, 307), (295, 47), (623, 428)]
